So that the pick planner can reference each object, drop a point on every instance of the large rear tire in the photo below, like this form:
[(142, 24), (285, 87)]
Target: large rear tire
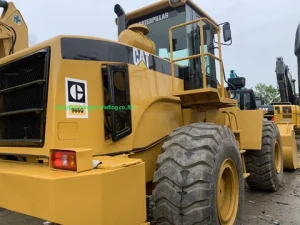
[(199, 179), (266, 165)]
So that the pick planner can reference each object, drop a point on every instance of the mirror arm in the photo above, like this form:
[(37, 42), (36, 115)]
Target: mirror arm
[(223, 43), (227, 44)]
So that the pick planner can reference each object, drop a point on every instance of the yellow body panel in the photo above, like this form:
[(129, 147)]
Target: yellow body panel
[(287, 114), (150, 95), (251, 133), (290, 156), (287, 118), (287, 123), (91, 197)]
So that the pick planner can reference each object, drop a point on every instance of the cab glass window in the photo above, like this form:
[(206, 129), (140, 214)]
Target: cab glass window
[(185, 40)]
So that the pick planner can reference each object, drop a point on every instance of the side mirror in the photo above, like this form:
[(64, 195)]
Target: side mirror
[(226, 32)]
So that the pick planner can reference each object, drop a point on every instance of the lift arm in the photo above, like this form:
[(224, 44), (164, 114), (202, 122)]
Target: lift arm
[(13, 30)]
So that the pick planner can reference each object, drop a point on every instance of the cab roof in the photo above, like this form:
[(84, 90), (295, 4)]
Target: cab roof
[(161, 5)]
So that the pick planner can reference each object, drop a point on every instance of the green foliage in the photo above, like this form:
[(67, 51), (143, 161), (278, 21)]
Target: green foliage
[(268, 93)]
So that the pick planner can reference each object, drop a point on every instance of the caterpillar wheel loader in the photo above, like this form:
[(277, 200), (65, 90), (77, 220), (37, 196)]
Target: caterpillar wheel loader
[(168, 147)]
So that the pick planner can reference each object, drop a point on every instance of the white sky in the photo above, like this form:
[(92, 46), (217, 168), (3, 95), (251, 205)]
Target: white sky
[(261, 29)]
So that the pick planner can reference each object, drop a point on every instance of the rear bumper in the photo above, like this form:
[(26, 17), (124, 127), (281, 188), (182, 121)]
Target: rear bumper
[(101, 196)]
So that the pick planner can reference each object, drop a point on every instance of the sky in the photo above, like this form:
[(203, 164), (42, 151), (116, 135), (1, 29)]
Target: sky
[(262, 30)]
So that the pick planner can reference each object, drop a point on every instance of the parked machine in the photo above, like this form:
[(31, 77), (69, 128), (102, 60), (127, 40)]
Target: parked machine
[(170, 146), (297, 52), (286, 113), (246, 97)]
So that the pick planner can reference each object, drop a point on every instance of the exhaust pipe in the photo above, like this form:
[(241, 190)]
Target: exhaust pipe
[(121, 20)]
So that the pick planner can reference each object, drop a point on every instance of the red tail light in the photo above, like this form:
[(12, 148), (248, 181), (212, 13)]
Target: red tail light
[(64, 160), (272, 118)]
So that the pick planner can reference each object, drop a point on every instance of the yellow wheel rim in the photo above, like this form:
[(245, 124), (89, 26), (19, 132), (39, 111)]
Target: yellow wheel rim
[(278, 157), (227, 193)]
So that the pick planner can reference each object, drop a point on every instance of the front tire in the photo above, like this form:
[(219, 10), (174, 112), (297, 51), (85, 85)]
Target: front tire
[(199, 179), (266, 165)]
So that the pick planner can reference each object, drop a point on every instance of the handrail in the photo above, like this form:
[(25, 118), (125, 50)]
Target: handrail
[(202, 54)]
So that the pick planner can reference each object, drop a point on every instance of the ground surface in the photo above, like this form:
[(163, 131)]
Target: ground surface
[(281, 207)]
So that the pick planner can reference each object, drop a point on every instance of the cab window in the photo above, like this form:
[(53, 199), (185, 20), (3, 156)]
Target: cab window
[(185, 40)]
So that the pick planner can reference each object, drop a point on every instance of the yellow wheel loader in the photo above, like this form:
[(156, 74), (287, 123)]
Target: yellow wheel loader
[(132, 132)]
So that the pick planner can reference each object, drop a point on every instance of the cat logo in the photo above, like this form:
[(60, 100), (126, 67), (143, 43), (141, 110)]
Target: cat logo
[(141, 58), (266, 109)]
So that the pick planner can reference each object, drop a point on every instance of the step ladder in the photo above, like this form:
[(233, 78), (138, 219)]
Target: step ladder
[(237, 134)]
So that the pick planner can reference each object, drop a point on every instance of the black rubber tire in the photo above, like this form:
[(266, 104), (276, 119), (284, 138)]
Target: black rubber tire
[(261, 163), (187, 173)]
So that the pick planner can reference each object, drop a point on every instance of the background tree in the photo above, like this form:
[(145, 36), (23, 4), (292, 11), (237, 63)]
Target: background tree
[(268, 93)]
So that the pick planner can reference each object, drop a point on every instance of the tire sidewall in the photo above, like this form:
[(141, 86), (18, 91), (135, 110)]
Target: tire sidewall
[(228, 149), (277, 139)]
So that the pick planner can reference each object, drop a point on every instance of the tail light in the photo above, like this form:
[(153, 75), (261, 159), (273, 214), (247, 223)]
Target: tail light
[(272, 119), (64, 160)]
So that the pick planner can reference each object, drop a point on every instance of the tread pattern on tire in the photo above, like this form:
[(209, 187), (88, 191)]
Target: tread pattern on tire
[(260, 164), (183, 179)]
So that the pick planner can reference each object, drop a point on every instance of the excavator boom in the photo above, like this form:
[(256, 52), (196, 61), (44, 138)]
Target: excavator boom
[(13, 30), (297, 53), (285, 82)]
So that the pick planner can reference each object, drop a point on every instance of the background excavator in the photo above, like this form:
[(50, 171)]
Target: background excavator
[(246, 97), (286, 84), (14, 31), (287, 109), (297, 53)]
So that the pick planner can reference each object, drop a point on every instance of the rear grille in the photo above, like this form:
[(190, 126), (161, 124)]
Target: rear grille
[(23, 99), (119, 91)]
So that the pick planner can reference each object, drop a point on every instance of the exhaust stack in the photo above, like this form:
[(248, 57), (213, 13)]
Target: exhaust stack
[(121, 20)]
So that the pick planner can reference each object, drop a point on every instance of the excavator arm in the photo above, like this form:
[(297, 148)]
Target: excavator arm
[(285, 82), (13, 30), (297, 53)]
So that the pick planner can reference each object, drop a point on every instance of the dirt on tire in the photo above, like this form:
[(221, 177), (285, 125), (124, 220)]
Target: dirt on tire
[(261, 164), (187, 175)]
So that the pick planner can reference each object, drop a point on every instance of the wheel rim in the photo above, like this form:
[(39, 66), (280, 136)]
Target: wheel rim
[(277, 158), (227, 193)]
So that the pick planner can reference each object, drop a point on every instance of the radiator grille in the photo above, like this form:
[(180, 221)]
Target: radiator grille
[(23, 99), (120, 100)]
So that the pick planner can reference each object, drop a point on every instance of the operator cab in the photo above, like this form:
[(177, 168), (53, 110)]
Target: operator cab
[(159, 18), (259, 101), (246, 99)]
